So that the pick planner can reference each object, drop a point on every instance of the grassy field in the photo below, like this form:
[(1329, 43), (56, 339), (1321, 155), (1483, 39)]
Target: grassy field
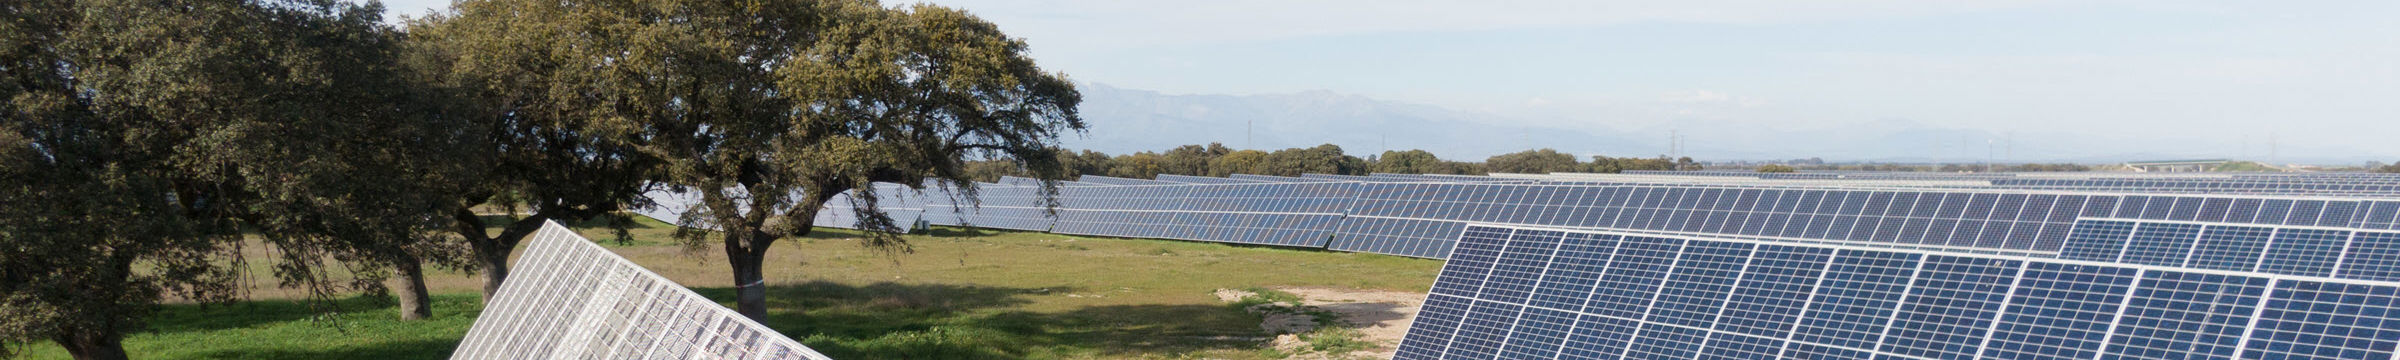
[(962, 293)]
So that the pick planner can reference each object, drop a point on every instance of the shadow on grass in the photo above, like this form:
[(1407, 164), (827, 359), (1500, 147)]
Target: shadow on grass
[(177, 318), (934, 321), (947, 231), (421, 349)]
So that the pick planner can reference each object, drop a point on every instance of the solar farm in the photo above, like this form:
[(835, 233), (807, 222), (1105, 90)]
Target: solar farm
[(1714, 265), (1737, 265)]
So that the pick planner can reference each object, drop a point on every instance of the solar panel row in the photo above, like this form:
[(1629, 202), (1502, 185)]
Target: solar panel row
[(2299, 251), (1524, 292), (1407, 217), (1994, 220)]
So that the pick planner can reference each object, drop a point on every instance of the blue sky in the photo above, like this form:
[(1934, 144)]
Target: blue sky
[(2319, 73)]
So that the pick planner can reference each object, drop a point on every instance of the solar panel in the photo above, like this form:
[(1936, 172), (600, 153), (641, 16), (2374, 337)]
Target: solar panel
[(2184, 315), (1652, 296), (571, 299), (2060, 311), (2319, 320)]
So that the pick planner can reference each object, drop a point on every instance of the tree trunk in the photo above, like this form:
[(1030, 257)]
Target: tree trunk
[(749, 282), (491, 253), (106, 345), (415, 304)]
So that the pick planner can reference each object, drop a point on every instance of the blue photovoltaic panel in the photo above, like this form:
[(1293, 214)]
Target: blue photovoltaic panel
[(2231, 248), (1539, 334), (1656, 297), (1581, 259), (2180, 315), (2245, 210), (2187, 209), (2329, 321), (2162, 244), (1950, 307), (1775, 289), (2273, 211), (2381, 215), (2215, 210), (1598, 337), (2097, 240), (1703, 276), (2339, 213), (1404, 237), (1800, 350), (2305, 212), (1731, 346), (1429, 334), (1660, 341), (1520, 265), (1464, 274), (2060, 311), (2304, 252), (2062, 222), (1482, 333), (1856, 300), (1633, 277), (2372, 256)]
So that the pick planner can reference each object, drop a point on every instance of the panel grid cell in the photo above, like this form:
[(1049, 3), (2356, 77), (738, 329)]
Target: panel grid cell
[(1860, 291), (2060, 311), (1581, 259), (1774, 290), (2162, 244), (1633, 276), (1538, 334), (1429, 334), (1950, 307), (1464, 274), (2181, 315), (2372, 256), (2329, 321), (1483, 331), (2097, 240), (1519, 266), (1599, 337), (1697, 287), (2231, 248), (2304, 252)]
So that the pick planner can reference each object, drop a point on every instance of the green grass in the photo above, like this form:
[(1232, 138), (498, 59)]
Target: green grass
[(961, 294), (366, 328)]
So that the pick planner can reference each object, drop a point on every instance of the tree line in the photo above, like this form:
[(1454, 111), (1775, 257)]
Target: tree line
[(1217, 160), (145, 143)]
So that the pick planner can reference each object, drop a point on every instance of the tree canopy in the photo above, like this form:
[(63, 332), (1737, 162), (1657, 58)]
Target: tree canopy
[(155, 132), (768, 109), (1422, 162), (1538, 161)]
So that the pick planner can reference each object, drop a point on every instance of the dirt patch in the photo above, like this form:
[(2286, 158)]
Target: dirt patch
[(1377, 318), (1381, 317), (1231, 295)]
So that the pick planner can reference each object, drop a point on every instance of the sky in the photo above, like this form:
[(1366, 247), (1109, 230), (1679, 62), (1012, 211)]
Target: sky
[(2323, 73)]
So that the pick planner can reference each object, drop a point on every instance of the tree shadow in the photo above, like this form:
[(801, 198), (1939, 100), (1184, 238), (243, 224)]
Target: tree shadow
[(179, 318), (418, 349), (938, 321), (948, 231)]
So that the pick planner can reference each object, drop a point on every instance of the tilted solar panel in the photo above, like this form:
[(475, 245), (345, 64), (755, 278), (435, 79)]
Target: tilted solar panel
[(571, 299)]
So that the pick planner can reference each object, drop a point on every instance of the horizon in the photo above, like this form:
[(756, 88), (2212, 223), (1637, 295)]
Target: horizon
[(2103, 80)]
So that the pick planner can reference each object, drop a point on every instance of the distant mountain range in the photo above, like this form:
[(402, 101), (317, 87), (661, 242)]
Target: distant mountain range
[(1131, 120)]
